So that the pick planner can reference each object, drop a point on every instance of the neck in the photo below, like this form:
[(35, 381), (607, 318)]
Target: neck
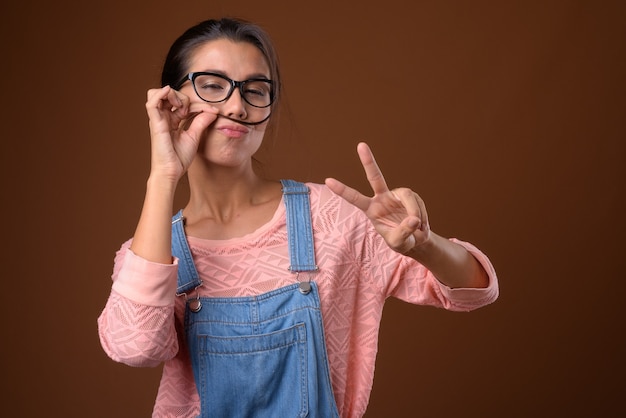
[(222, 193)]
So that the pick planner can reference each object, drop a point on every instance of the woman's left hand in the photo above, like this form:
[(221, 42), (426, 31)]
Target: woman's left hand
[(399, 215)]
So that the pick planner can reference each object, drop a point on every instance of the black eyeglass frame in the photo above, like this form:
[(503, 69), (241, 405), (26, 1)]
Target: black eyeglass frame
[(233, 85)]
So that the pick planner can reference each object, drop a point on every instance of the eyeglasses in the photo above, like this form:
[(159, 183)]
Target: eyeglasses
[(215, 88)]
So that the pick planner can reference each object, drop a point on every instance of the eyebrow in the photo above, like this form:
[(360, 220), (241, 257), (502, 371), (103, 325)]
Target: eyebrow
[(222, 73)]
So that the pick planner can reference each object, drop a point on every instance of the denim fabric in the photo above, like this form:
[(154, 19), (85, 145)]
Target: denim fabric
[(188, 278), (261, 356), (301, 251)]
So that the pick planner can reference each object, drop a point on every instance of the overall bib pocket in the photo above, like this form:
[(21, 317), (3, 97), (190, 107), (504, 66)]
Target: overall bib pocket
[(254, 375)]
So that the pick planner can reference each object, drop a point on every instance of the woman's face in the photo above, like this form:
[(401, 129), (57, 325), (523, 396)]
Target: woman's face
[(229, 142)]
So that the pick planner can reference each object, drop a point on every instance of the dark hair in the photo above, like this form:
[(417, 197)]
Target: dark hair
[(176, 63)]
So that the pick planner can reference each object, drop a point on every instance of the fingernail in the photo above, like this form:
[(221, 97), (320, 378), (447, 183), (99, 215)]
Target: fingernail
[(413, 223)]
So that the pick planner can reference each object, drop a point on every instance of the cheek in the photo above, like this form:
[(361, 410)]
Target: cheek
[(188, 91), (256, 136)]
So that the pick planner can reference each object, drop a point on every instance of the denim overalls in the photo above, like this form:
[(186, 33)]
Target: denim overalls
[(261, 356)]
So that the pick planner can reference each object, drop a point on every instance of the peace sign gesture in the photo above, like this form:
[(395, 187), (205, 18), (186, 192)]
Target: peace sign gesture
[(399, 215)]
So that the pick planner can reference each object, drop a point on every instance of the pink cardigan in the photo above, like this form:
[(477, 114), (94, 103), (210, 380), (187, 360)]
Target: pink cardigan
[(142, 322)]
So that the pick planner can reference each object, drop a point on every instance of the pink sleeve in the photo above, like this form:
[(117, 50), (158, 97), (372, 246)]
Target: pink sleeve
[(413, 283), (144, 282), (137, 325)]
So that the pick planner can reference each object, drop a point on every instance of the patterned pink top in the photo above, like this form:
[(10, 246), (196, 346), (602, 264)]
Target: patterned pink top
[(142, 322)]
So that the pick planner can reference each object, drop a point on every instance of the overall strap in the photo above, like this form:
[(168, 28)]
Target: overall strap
[(188, 278), (299, 230), (300, 238)]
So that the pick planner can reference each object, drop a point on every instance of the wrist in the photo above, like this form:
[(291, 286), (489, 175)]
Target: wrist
[(161, 183), (424, 250)]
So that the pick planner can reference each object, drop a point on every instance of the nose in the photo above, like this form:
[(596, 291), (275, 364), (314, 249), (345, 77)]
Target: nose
[(235, 106)]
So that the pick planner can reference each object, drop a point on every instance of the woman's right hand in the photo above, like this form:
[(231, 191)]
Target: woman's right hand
[(176, 128)]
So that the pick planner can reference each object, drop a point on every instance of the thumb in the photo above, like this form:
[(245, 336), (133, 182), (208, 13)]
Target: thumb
[(410, 224), (401, 239), (200, 122)]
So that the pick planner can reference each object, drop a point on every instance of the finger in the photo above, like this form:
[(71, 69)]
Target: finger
[(414, 205), (164, 98), (199, 121), (372, 171), (164, 102), (425, 226), (195, 109), (348, 193), (203, 107), (156, 120), (409, 199), (401, 238), (154, 100), (176, 100)]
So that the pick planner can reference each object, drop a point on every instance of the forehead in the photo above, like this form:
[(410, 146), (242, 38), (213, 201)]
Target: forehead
[(238, 60)]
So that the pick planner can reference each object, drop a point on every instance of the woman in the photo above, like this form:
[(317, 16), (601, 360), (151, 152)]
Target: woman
[(264, 299)]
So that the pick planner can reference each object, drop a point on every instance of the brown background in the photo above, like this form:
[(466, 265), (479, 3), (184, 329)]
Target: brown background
[(506, 116)]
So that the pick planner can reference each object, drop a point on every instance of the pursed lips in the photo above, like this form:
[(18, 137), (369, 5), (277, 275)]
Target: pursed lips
[(233, 130)]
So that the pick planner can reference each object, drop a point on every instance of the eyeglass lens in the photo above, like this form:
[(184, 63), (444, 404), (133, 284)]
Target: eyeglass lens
[(213, 88)]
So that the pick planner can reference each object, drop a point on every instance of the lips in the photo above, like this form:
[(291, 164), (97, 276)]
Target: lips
[(232, 130)]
